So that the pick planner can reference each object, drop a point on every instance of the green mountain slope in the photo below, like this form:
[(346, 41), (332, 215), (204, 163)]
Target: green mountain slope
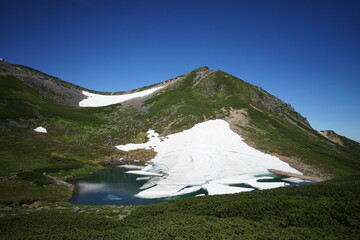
[(267, 123), (79, 139), (76, 138)]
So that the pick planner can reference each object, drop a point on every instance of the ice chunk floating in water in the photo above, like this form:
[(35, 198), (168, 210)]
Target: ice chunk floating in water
[(203, 156)]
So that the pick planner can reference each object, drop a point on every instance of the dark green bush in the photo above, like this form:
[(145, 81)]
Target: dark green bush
[(37, 178), (58, 164)]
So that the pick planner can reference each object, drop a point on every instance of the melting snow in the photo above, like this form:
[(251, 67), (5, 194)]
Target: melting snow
[(40, 130), (129, 166), (98, 100), (215, 189), (209, 155), (140, 172)]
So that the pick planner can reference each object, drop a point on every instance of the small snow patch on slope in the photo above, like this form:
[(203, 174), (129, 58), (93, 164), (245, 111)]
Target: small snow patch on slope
[(40, 130), (98, 100)]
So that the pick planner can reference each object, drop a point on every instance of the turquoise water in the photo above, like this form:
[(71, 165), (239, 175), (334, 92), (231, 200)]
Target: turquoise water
[(112, 186)]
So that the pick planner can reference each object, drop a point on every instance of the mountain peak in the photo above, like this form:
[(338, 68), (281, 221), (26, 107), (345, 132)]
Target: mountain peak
[(202, 69)]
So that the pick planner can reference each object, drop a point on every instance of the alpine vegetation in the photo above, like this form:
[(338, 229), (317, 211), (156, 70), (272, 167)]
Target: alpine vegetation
[(202, 133)]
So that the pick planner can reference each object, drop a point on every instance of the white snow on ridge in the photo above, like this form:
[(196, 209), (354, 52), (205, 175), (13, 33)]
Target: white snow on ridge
[(40, 130), (210, 155), (98, 100)]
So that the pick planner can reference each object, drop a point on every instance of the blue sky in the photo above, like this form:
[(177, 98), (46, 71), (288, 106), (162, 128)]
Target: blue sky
[(306, 52)]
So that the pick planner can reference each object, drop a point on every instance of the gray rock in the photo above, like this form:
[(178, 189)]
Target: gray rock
[(53, 87), (17, 125)]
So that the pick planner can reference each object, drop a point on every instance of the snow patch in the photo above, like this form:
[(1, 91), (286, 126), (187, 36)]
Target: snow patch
[(130, 166), (161, 191), (252, 181), (98, 100), (188, 190), (140, 172), (40, 130), (209, 155), (216, 189)]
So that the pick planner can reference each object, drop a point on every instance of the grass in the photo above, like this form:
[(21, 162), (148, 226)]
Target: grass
[(75, 137), (77, 133), (34, 177), (15, 192), (282, 137)]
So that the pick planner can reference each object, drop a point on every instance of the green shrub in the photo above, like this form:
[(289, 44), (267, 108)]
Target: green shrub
[(37, 178), (58, 164)]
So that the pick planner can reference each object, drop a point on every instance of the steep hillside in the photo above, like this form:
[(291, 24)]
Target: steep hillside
[(49, 86), (78, 139), (264, 120)]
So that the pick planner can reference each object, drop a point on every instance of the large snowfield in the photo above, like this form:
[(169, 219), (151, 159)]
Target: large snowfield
[(209, 156), (98, 100)]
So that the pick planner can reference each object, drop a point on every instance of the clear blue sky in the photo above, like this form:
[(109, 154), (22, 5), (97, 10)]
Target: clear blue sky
[(306, 52)]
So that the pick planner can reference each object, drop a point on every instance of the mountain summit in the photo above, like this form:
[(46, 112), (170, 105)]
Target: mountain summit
[(80, 127)]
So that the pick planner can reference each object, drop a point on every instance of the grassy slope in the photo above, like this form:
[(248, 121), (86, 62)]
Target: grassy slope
[(276, 135), (326, 210), (66, 126), (184, 105), (75, 136)]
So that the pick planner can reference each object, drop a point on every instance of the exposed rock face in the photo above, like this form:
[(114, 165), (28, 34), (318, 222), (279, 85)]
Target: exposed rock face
[(49, 86), (238, 119), (277, 106), (332, 136)]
